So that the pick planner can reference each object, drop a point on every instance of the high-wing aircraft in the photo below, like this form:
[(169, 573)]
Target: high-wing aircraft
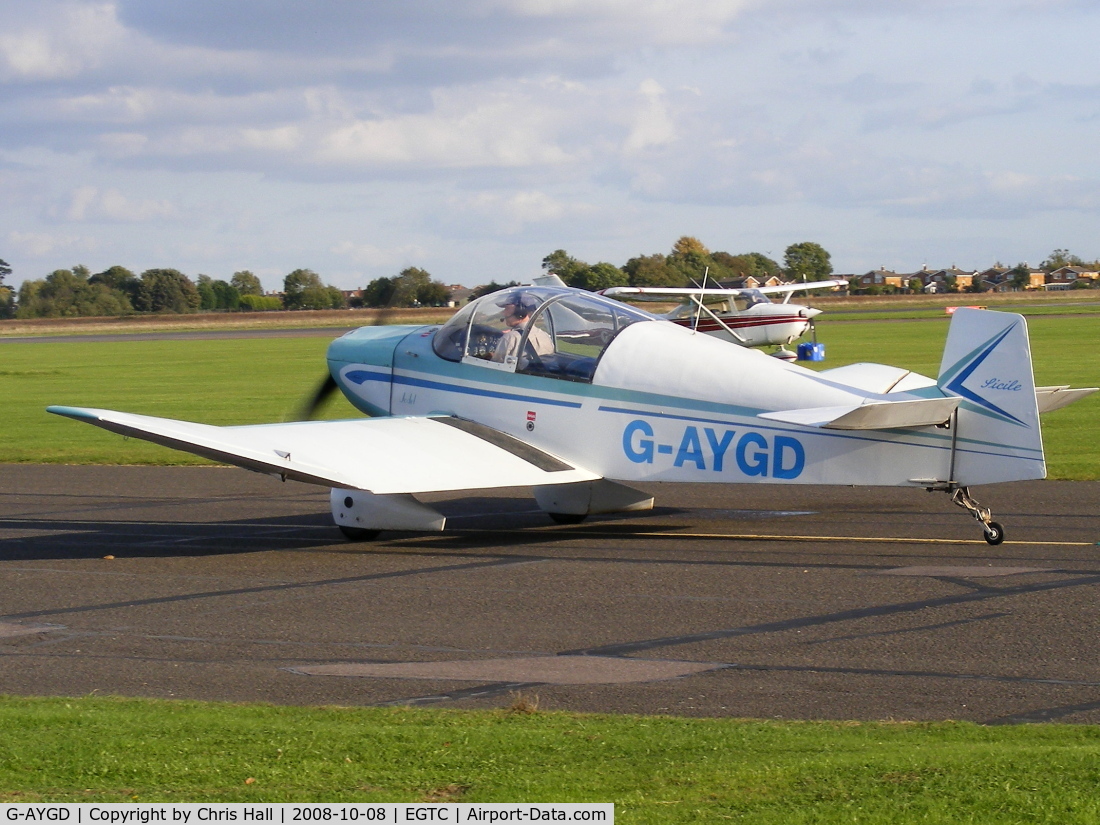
[(743, 316), (576, 395)]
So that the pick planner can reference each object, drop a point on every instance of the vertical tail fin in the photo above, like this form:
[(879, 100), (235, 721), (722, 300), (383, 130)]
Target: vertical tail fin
[(987, 363)]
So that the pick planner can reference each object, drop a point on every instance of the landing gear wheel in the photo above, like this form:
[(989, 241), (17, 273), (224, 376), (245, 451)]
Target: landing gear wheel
[(358, 533), (994, 533), (568, 518)]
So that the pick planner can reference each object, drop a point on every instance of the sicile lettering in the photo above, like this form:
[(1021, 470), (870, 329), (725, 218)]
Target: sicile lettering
[(718, 450)]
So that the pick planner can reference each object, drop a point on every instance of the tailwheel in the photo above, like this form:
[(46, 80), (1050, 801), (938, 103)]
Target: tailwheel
[(568, 518), (358, 533), (994, 532)]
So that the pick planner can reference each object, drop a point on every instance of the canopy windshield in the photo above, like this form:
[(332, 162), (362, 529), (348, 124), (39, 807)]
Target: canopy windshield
[(560, 333)]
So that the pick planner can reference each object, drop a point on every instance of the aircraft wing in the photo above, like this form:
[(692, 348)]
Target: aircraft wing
[(664, 293), (379, 455), (804, 286)]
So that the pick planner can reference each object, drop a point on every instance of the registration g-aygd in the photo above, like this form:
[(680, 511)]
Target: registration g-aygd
[(240, 813)]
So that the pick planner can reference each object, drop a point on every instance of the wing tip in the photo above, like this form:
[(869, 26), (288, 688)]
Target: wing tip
[(80, 413)]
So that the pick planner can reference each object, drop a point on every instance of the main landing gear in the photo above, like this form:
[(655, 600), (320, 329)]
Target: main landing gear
[(994, 532)]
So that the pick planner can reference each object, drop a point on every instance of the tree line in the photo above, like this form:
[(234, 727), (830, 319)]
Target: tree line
[(688, 263), (118, 291)]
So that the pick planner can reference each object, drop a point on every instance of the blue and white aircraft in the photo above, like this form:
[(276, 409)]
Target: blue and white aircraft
[(576, 395)]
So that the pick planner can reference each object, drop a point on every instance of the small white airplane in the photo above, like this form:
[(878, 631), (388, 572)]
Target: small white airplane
[(598, 394), (742, 316)]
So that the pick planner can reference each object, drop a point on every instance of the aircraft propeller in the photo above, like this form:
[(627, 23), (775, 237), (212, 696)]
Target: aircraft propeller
[(322, 393), (328, 387)]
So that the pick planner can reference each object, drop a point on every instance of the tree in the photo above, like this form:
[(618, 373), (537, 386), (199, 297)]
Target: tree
[(167, 290), (750, 264), (379, 292), (1059, 258), (5, 270), (226, 296), (246, 283), (599, 276), (207, 300), (433, 294), (260, 303), (217, 294), (296, 283), (652, 270), (321, 297), (1021, 276), (67, 293), (492, 286), (407, 286), (764, 265), (807, 260), (687, 245), (7, 302), (691, 259), (565, 266), (120, 279), (411, 287)]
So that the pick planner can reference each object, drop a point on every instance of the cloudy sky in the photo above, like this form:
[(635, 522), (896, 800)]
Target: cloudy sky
[(474, 137)]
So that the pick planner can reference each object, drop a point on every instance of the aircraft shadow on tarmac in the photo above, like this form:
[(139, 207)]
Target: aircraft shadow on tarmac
[(497, 525)]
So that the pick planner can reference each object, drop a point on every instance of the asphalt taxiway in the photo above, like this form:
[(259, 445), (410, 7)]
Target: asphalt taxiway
[(746, 601)]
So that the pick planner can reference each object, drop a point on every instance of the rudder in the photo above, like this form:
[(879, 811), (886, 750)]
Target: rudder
[(987, 363)]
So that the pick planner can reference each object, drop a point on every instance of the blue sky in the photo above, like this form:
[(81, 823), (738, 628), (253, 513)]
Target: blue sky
[(473, 137)]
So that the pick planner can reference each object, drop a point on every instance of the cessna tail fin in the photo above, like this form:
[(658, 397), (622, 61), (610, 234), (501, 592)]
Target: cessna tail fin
[(987, 364)]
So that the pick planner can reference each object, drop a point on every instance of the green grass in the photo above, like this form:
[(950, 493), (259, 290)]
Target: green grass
[(254, 380), (937, 313), (655, 769), (235, 381)]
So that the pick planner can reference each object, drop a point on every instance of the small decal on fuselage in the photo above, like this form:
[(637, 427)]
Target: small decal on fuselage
[(717, 449)]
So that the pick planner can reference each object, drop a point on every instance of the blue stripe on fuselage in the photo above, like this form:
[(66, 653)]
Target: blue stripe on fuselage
[(362, 376)]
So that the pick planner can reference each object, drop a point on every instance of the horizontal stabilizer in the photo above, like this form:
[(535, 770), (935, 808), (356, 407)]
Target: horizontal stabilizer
[(875, 415), (379, 455), (877, 378), (1054, 398)]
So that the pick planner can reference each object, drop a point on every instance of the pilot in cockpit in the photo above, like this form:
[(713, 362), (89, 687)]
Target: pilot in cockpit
[(518, 307)]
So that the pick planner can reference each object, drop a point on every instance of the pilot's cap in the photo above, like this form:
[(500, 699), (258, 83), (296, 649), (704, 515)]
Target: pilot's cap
[(523, 302)]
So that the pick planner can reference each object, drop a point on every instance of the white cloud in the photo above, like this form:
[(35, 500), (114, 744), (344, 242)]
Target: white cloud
[(91, 204), (60, 41), (492, 128), (40, 245), (511, 213), (653, 124), (376, 256)]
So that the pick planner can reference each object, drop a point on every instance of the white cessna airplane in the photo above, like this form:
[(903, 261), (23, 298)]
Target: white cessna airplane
[(596, 394), (742, 316)]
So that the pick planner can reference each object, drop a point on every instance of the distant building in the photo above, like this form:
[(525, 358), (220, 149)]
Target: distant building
[(1065, 277), (1003, 279), (459, 294), (939, 280), (880, 278)]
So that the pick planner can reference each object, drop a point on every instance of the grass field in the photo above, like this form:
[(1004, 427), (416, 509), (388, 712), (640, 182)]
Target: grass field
[(255, 380), (655, 769)]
